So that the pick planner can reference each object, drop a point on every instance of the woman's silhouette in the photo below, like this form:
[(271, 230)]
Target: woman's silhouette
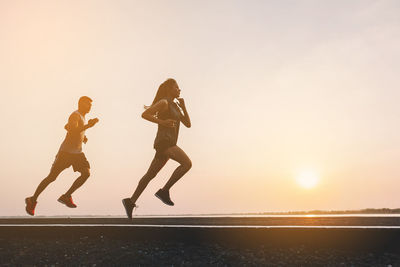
[(168, 115)]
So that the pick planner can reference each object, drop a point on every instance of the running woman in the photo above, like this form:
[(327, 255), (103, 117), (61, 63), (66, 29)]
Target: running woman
[(167, 114), (70, 153)]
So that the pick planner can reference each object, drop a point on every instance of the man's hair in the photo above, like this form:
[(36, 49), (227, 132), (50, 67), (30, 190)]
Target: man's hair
[(84, 99)]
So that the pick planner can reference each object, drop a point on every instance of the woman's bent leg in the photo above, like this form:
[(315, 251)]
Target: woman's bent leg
[(177, 154)]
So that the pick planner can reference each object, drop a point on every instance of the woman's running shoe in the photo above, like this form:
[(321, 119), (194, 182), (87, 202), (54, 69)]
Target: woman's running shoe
[(129, 206), (163, 195)]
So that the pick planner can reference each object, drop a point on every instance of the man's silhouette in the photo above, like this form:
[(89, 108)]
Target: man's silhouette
[(70, 153)]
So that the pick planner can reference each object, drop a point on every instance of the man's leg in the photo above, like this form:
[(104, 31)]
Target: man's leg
[(31, 201), (54, 172), (85, 173), (66, 199)]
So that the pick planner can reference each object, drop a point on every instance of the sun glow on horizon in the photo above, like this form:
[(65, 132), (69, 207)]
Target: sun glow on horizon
[(307, 179)]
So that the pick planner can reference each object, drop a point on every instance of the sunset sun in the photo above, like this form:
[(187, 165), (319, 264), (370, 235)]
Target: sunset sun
[(307, 179)]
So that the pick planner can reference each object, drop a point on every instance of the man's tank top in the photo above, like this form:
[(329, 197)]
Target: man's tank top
[(168, 134), (73, 141)]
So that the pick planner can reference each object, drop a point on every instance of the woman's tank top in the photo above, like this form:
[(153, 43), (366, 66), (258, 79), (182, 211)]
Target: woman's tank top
[(168, 135)]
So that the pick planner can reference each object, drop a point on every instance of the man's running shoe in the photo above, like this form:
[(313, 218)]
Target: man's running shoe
[(163, 195), (30, 205), (67, 201), (129, 206)]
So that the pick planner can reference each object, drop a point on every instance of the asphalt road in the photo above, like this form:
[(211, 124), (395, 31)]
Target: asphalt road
[(200, 241)]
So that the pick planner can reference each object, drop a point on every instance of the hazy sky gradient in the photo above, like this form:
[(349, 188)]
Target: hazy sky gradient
[(272, 87)]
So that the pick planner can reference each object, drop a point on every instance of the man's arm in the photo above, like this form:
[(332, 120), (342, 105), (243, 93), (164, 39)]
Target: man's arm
[(73, 124)]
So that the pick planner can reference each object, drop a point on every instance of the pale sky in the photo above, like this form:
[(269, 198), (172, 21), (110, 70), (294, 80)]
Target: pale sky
[(272, 87)]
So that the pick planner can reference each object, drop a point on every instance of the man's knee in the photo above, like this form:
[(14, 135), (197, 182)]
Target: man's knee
[(50, 178), (85, 173)]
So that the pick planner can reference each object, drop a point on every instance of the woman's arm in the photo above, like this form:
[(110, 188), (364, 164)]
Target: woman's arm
[(185, 118), (150, 114)]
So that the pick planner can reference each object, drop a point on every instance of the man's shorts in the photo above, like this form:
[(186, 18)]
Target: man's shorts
[(65, 160)]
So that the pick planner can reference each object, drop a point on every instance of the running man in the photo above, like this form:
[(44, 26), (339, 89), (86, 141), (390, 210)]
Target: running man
[(168, 115), (70, 153)]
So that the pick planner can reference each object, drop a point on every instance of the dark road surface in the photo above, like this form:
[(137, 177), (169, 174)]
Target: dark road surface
[(214, 220), (201, 241)]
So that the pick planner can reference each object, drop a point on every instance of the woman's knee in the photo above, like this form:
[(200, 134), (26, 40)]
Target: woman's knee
[(148, 176), (145, 181), (187, 164)]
